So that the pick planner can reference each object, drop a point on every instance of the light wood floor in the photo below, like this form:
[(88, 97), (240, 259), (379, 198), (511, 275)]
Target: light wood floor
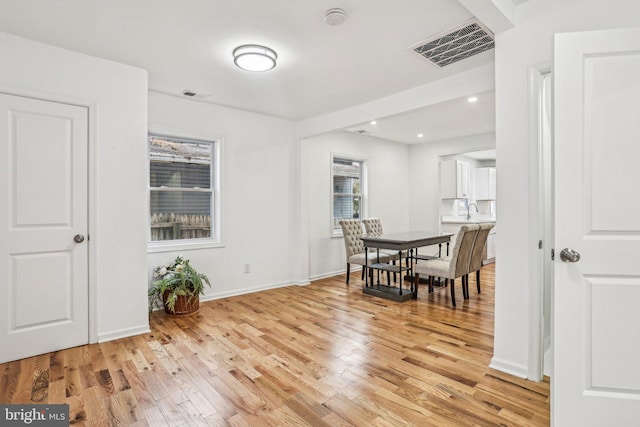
[(320, 355)]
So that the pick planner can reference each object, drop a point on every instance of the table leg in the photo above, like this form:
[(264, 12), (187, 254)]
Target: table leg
[(366, 273)]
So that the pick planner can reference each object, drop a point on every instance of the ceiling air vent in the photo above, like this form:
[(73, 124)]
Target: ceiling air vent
[(467, 40)]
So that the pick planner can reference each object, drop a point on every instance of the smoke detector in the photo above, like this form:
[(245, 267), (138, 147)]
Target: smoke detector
[(335, 16)]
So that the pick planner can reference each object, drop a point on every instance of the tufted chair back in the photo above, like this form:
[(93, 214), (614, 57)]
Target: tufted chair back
[(352, 231), (373, 226)]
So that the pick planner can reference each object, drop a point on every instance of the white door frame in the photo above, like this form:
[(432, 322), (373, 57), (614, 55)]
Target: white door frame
[(91, 189), (539, 230)]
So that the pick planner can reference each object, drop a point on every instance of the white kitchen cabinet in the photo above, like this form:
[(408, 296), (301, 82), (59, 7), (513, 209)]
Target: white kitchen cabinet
[(486, 183), (491, 246), (455, 179)]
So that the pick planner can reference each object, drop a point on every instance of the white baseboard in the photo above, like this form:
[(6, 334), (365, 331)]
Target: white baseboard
[(520, 371), (334, 273), (236, 292), (123, 333)]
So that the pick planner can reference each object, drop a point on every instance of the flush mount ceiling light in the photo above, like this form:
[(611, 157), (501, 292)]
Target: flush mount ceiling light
[(472, 99), (253, 57)]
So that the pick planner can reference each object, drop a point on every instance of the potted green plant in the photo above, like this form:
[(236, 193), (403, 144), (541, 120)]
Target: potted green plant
[(178, 288)]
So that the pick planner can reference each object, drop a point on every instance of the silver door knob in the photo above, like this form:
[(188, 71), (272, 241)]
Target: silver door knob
[(569, 255), (78, 238)]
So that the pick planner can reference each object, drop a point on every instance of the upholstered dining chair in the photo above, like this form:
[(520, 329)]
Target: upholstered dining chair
[(354, 247), (475, 262), (454, 266), (373, 227)]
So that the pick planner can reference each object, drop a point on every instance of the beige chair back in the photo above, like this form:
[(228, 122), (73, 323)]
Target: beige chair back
[(373, 226), (475, 263), (462, 249), (352, 232)]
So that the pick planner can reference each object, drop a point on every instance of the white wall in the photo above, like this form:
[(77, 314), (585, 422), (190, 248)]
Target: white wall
[(388, 192), (424, 180), (258, 198), (529, 44), (116, 95)]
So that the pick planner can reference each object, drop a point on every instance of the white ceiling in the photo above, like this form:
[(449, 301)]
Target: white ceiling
[(188, 45), (447, 120)]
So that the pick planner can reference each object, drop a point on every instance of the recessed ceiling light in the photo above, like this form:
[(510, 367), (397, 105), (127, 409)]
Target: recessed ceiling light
[(253, 57), (472, 99), (420, 135), (373, 122)]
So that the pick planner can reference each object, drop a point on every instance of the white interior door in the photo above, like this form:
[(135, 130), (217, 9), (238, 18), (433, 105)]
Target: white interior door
[(43, 189), (596, 324)]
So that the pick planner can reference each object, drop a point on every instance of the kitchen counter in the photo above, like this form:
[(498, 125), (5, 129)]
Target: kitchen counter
[(462, 220)]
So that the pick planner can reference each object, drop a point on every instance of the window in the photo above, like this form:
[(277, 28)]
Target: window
[(182, 189), (347, 190)]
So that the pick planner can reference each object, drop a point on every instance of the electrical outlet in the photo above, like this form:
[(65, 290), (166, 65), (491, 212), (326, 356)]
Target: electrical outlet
[(247, 268)]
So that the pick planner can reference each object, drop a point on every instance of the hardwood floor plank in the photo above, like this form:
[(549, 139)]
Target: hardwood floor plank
[(320, 355), (40, 387), (24, 382)]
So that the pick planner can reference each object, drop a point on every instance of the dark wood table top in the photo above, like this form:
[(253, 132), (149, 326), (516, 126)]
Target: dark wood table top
[(406, 240)]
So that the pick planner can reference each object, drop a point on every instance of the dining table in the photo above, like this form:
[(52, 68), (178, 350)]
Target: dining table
[(408, 243)]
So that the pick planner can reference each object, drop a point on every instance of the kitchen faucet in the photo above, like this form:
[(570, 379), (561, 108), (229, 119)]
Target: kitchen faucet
[(469, 210)]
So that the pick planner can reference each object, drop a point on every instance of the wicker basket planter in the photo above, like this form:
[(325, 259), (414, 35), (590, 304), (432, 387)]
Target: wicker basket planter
[(185, 306), (178, 287)]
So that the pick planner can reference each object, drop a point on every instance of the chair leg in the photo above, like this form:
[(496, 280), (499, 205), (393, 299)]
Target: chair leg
[(348, 272), (389, 278), (478, 280), (430, 284), (362, 275), (465, 286), (453, 292), (464, 294)]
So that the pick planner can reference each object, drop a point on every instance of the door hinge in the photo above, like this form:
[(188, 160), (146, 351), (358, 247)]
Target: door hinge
[(539, 244), (553, 254)]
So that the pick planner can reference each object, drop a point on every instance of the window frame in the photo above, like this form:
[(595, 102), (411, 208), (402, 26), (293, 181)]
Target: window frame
[(155, 246), (337, 232)]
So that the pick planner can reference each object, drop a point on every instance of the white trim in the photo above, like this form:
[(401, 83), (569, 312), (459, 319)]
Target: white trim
[(245, 291), (364, 203), (537, 226), (123, 333), (177, 245), (218, 143), (520, 371), (92, 212), (356, 267)]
